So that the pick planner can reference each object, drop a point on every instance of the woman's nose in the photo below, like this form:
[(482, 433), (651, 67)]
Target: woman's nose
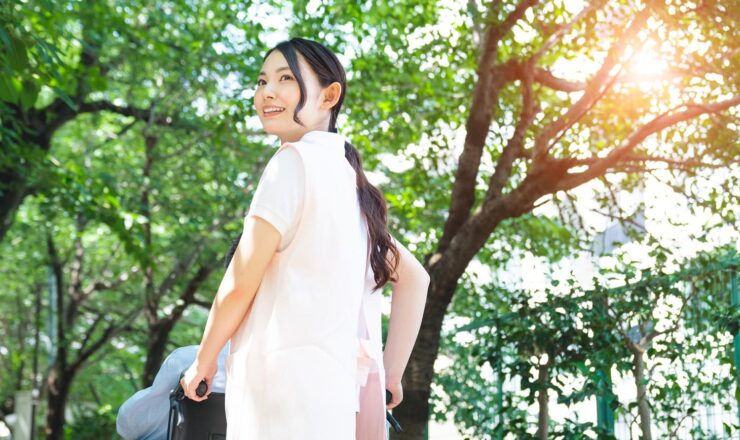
[(268, 91)]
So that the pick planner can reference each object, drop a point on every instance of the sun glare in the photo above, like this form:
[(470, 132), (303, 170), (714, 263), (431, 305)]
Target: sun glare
[(646, 67)]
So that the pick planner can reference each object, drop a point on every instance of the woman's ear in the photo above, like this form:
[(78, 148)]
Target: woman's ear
[(332, 92)]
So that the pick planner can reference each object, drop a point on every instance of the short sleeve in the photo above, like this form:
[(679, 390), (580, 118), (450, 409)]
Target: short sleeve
[(278, 198)]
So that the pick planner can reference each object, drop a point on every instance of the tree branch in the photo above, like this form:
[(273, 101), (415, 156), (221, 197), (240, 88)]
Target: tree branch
[(546, 78), (620, 217), (514, 71), (648, 158), (202, 303), (512, 149), (57, 270), (600, 166), (91, 330), (75, 276), (181, 265), (594, 89), (479, 120), (558, 35), (98, 286), (109, 333), (188, 293)]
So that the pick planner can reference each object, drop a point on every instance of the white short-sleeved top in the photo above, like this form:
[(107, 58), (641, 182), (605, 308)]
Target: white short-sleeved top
[(304, 349), (279, 194)]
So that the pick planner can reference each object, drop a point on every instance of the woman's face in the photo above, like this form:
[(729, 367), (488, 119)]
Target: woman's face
[(277, 88)]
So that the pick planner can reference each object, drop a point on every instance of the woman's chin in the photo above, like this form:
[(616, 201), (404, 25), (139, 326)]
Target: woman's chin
[(271, 130), (268, 128), (271, 126)]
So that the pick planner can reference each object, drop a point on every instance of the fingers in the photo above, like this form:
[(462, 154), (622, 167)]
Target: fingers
[(190, 393), (396, 399), (394, 403)]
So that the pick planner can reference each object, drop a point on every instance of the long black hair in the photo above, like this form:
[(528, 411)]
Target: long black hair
[(328, 69)]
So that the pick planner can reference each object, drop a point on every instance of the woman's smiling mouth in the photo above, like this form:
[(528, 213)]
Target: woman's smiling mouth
[(272, 111)]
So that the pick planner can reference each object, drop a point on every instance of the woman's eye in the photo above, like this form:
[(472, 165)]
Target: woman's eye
[(286, 75)]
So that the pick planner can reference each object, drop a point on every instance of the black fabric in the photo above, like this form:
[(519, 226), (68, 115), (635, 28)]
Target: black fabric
[(191, 420)]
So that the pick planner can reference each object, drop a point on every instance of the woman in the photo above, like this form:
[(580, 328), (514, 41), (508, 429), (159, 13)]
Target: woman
[(300, 300)]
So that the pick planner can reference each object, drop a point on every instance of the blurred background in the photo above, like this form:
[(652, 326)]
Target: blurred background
[(567, 171)]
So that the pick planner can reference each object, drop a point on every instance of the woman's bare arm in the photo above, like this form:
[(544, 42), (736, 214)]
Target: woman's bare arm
[(237, 290), (407, 307)]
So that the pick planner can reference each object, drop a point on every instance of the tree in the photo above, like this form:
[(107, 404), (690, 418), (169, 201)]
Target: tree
[(555, 146), (92, 73), (664, 330), (150, 203)]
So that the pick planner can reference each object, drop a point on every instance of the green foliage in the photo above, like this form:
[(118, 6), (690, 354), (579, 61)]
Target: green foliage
[(577, 334), (92, 424), (29, 59)]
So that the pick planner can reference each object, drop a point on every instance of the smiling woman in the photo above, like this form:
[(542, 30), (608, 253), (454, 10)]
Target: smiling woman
[(299, 299), (278, 90)]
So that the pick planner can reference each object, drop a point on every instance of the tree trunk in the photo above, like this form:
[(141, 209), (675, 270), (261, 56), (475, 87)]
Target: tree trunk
[(158, 336), (445, 269), (413, 412), (11, 196), (154, 357), (16, 168), (543, 417), (643, 408), (58, 385)]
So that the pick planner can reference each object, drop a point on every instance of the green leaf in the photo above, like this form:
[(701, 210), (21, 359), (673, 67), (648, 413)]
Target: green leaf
[(29, 93), (5, 38), (8, 90), (17, 55)]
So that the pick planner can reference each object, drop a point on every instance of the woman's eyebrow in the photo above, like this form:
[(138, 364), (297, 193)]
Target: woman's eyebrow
[(276, 71)]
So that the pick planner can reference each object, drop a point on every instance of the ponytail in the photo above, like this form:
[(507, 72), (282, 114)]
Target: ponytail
[(374, 209)]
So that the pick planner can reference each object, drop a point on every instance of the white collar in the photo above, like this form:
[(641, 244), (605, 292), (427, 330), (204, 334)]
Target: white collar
[(324, 138)]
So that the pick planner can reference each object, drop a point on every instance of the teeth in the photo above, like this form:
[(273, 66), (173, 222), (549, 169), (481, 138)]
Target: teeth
[(274, 110)]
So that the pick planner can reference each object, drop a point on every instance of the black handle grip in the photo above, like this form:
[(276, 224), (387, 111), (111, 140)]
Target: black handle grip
[(202, 388)]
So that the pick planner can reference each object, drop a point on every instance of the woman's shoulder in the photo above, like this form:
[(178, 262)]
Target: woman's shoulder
[(287, 157)]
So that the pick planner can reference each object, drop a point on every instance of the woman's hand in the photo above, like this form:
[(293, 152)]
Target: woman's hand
[(194, 375), (396, 390)]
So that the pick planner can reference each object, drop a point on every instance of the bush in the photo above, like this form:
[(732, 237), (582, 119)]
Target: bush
[(89, 424)]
